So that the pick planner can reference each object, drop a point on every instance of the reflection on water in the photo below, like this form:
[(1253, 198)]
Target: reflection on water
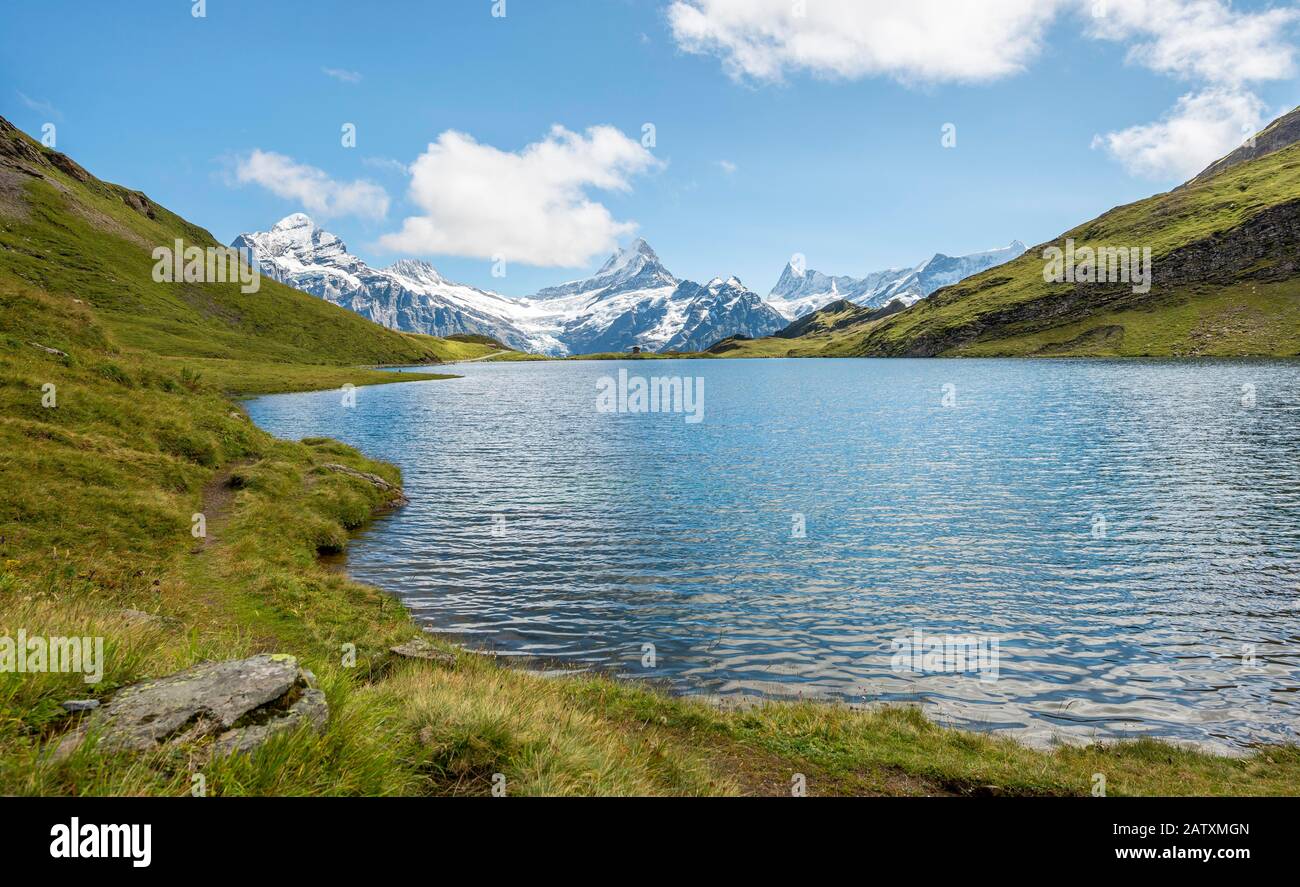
[(1128, 532)]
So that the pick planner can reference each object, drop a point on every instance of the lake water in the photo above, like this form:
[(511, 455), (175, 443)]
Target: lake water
[(1113, 547)]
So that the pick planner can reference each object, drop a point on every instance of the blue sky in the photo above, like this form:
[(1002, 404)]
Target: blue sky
[(806, 142)]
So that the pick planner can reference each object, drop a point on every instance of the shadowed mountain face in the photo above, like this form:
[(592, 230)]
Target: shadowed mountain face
[(1224, 279)]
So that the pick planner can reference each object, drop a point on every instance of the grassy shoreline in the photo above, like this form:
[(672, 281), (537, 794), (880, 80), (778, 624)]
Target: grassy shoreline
[(411, 728)]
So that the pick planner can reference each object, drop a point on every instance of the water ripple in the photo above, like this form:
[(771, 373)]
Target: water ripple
[(1128, 532)]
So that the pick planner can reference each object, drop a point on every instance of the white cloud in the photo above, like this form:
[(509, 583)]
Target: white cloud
[(1202, 39), (530, 206), (318, 194), (1201, 128), (1205, 41), (945, 40), (922, 40), (727, 166), (387, 164), (343, 75), (40, 107)]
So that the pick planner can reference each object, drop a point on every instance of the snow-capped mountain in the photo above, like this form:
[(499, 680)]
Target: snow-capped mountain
[(409, 295), (632, 300), (798, 293), (719, 309), (636, 268)]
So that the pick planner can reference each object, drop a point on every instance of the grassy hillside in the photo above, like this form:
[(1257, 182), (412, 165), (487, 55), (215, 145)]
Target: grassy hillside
[(99, 484), (1226, 260), (82, 248)]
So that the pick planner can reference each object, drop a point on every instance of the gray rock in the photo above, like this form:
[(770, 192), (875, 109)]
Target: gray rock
[(140, 617), (56, 352), (242, 701), (419, 648), (76, 705), (310, 709), (399, 498)]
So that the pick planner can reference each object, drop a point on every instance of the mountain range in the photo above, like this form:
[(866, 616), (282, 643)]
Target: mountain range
[(631, 301), (802, 291)]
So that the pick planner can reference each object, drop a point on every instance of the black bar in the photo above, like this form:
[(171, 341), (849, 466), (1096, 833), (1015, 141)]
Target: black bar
[(187, 835)]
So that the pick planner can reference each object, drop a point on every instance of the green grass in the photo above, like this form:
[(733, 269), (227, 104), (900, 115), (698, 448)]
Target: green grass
[(96, 498), (1243, 320)]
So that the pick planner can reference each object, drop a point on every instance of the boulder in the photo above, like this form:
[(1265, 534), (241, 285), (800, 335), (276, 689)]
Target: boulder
[(243, 702), (419, 648)]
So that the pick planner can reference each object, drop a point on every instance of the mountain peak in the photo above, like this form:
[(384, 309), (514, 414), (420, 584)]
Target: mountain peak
[(634, 267), (296, 220), (298, 235), (416, 269), (623, 258)]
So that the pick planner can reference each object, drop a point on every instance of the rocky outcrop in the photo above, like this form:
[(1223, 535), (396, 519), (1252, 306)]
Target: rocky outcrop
[(48, 350), (240, 702), (397, 497), (138, 202)]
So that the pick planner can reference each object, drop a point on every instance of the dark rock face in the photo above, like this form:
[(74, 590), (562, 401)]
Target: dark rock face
[(620, 335), (837, 316), (138, 202), (721, 310), (243, 702)]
